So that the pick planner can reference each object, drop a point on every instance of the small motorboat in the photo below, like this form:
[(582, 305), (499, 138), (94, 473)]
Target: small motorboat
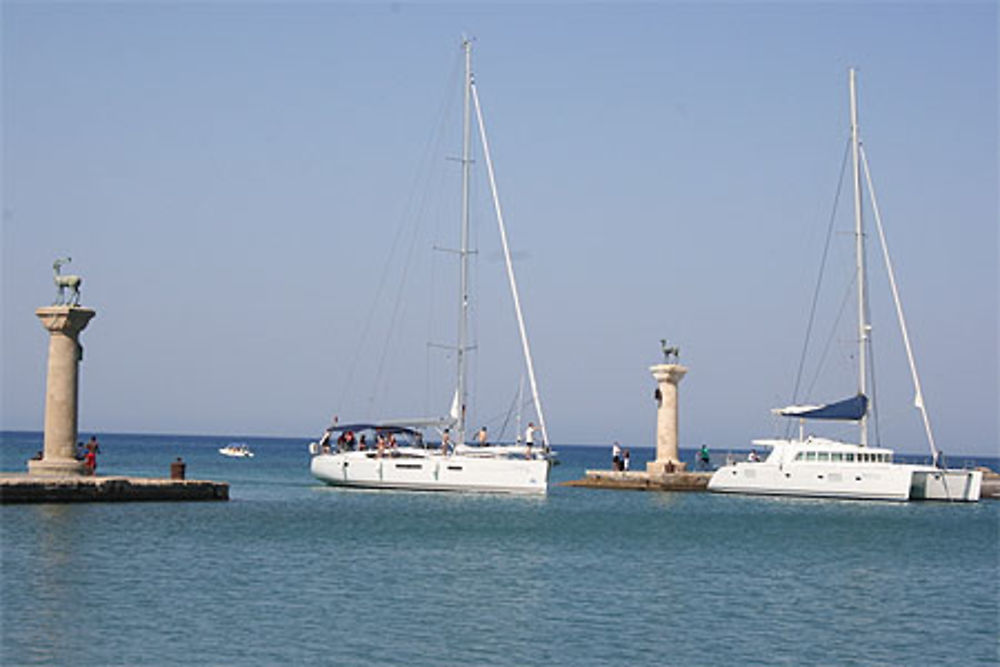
[(237, 450)]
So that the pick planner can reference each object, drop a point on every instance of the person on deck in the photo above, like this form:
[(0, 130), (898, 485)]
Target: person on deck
[(324, 442), (481, 437), (445, 441), (529, 438)]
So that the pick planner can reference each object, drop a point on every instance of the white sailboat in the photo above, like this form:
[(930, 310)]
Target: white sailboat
[(812, 466), (396, 455)]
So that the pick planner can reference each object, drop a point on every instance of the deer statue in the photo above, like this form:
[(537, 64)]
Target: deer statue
[(668, 352), (62, 282)]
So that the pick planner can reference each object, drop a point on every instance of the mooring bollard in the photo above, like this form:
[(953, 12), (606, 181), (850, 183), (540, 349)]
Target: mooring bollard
[(177, 469)]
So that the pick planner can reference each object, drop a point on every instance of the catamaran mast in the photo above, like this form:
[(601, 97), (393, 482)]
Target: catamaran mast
[(863, 326), (463, 283)]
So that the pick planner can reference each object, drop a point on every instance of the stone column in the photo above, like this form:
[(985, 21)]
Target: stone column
[(64, 324), (667, 377)]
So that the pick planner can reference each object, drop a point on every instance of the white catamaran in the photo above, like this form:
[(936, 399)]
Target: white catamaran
[(393, 454), (811, 466)]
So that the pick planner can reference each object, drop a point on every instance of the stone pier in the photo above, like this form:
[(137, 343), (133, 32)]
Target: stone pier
[(64, 324), (20, 488), (667, 377)]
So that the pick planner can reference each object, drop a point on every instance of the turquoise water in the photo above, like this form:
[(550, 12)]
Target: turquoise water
[(293, 572)]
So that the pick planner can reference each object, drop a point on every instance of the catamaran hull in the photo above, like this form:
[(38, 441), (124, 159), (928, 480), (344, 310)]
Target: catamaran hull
[(892, 482), (434, 473), (965, 485)]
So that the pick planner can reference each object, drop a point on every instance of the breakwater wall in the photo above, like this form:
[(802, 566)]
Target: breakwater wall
[(39, 489), (642, 481)]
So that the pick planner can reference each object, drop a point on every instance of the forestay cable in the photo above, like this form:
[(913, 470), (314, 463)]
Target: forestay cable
[(510, 267)]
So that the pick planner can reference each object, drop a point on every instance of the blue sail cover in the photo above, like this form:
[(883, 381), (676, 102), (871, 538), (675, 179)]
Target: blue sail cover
[(853, 409)]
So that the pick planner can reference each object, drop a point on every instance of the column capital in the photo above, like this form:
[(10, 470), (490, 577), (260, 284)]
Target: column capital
[(668, 373), (69, 320)]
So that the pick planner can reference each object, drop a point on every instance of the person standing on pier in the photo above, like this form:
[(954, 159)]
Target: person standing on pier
[(703, 457), (616, 456)]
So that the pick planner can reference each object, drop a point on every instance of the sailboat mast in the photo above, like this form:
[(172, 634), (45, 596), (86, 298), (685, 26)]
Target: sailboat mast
[(863, 327), (463, 283)]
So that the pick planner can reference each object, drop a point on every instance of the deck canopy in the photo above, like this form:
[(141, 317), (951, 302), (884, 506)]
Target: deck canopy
[(367, 426), (850, 409)]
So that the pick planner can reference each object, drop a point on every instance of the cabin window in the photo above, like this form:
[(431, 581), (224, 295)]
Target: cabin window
[(888, 458), (824, 456), (837, 456), (454, 467), (810, 456), (800, 456), (409, 466)]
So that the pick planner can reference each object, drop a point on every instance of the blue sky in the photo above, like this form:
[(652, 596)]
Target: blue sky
[(229, 179)]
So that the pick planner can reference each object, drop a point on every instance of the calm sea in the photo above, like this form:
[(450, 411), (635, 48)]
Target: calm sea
[(293, 572)]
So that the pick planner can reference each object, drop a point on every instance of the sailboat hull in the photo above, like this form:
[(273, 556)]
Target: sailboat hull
[(432, 472)]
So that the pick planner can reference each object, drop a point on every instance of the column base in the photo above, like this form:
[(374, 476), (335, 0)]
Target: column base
[(659, 468), (68, 468)]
